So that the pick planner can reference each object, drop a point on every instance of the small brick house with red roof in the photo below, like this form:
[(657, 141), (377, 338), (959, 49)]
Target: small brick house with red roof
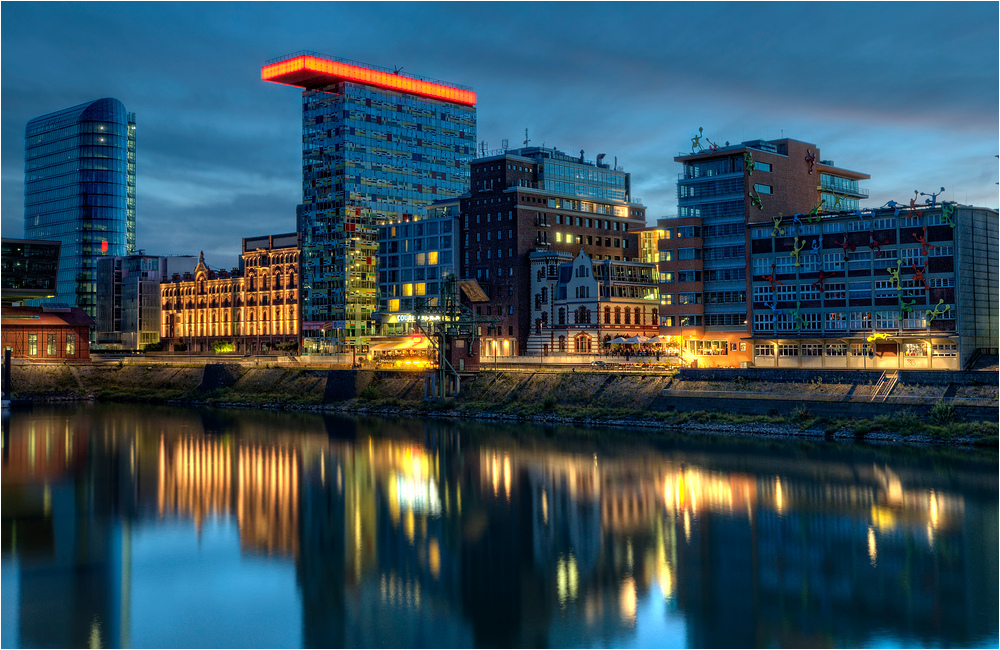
[(46, 333)]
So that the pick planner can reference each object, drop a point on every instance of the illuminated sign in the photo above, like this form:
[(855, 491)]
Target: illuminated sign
[(306, 71)]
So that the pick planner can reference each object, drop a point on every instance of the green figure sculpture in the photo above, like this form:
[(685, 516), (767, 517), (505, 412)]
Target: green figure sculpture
[(937, 312), (777, 230), (750, 164)]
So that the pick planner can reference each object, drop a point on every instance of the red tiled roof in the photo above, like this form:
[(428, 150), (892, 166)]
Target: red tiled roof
[(72, 316)]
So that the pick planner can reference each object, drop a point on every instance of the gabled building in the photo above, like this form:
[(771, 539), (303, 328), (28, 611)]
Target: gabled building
[(579, 305), (538, 199), (48, 333)]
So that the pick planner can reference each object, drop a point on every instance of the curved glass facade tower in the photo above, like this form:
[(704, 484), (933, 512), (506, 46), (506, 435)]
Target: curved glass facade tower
[(79, 189)]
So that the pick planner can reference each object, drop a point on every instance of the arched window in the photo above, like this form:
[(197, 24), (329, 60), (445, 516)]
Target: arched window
[(582, 343), (618, 315), (607, 315), (638, 316), (628, 316), (562, 316)]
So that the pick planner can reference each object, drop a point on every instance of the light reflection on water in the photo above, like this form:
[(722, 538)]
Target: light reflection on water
[(139, 526)]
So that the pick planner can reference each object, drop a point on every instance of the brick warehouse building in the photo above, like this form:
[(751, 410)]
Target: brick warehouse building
[(538, 199), (703, 261), (48, 333), (250, 309), (887, 289)]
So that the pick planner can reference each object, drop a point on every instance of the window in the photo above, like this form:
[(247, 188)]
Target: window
[(833, 262), (667, 299), (785, 264), (788, 350), (71, 344), (689, 298), (887, 320), (666, 256), (836, 349), (763, 350), (763, 322), (762, 189), (687, 276), (862, 350), (688, 231), (834, 291), (50, 345), (762, 166), (836, 322), (861, 320), (944, 350), (812, 349), (708, 347), (32, 344), (915, 350), (690, 320), (689, 254)]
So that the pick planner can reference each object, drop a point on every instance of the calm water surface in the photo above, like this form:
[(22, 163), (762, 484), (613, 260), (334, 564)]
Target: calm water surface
[(138, 526)]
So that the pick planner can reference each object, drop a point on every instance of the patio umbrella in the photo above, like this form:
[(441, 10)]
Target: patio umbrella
[(638, 338), (655, 339), (618, 339)]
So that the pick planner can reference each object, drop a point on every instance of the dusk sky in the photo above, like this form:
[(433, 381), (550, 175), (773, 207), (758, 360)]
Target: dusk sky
[(906, 92)]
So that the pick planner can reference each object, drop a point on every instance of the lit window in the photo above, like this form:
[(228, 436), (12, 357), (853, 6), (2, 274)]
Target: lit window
[(432, 257), (421, 288), (407, 289), (394, 304)]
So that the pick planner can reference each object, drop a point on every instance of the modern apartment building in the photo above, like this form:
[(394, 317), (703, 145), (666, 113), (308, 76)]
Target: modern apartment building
[(252, 309), (378, 146), (704, 265), (889, 288), (29, 269), (128, 297), (79, 189), (539, 199)]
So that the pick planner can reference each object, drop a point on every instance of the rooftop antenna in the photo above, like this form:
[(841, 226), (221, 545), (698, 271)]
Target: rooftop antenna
[(526, 140)]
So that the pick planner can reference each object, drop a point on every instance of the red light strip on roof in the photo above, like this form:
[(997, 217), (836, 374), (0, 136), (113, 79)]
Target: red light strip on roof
[(313, 72)]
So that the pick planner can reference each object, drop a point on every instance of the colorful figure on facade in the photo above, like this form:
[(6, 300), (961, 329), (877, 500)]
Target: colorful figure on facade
[(810, 160), (933, 200), (894, 206), (755, 200), (696, 142), (876, 336), (814, 213), (918, 274), (749, 163), (922, 240), (894, 273), (775, 312), (876, 245), (869, 223), (823, 275), (817, 247), (712, 146), (770, 279), (904, 305), (797, 248), (938, 311), (845, 246), (913, 201), (948, 214), (799, 320), (777, 230)]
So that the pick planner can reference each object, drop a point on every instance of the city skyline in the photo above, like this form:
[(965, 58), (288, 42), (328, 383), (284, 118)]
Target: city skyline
[(219, 151)]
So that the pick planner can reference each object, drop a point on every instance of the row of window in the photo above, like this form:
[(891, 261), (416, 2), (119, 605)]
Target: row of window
[(52, 344), (917, 349)]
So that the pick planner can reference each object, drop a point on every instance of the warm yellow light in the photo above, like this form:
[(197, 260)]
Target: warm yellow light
[(872, 549), (408, 289), (432, 257), (394, 304), (627, 600), (421, 288)]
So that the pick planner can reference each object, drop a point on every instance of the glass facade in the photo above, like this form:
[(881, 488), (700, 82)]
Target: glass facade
[(370, 157), (415, 257), (79, 189)]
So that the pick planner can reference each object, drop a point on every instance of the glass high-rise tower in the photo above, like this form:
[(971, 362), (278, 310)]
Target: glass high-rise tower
[(378, 147), (79, 189)]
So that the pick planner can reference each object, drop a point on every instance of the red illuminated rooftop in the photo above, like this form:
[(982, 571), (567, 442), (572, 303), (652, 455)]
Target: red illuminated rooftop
[(310, 71)]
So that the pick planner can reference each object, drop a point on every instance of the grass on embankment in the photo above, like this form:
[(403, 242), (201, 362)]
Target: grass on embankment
[(942, 423)]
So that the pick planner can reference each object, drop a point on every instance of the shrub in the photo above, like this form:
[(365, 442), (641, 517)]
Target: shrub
[(180, 347), (942, 413), (549, 403), (223, 346), (153, 347), (370, 393)]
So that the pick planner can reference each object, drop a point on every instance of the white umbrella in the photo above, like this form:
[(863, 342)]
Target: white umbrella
[(638, 338), (618, 340), (655, 339)]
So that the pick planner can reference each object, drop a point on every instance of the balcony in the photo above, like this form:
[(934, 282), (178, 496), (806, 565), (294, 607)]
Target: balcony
[(845, 190)]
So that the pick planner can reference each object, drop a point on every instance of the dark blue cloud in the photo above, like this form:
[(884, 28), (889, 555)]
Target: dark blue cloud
[(907, 92)]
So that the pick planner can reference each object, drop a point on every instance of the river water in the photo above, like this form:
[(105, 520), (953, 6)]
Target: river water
[(150, 526)]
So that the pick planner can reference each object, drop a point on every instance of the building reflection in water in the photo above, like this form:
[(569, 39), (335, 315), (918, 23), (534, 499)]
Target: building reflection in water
[(437, 534)]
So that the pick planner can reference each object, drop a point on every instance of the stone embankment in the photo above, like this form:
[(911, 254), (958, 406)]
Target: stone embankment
[(657, 400)]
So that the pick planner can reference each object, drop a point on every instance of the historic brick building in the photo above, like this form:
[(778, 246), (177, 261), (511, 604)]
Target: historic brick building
[(538, 199), (252, 309), (47, 333)]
